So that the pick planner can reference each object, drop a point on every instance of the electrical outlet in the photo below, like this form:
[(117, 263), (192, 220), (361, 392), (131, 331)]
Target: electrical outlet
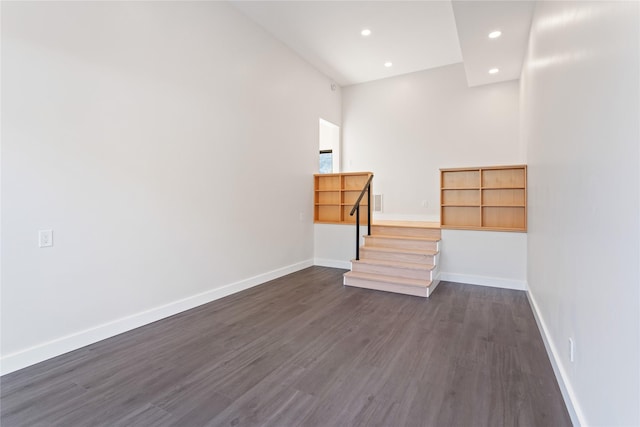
[(301, 216), (45, 238), (425, 204), (572, 350)]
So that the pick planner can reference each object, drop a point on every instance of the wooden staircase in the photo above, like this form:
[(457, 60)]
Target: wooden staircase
[(399, 256)]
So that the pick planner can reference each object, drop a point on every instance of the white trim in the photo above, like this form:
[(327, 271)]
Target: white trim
[(575, 412), (494, 282), (434, 285), (23, 358), (335, 263)]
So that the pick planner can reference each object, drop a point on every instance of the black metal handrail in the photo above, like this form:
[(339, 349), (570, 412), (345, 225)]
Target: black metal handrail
[(356, 210)]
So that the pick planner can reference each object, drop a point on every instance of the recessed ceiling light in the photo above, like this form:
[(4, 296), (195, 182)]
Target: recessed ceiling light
[(495, 34), (366, 32), (388, 64), (494, 71)]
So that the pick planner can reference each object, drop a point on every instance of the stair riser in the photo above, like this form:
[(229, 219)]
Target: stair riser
[(401, 243), (385, 270), (405, 231), (391, 256), (388, 287)]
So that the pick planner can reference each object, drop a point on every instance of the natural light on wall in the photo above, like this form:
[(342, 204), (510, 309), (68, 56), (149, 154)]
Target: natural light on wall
[(326, 161)]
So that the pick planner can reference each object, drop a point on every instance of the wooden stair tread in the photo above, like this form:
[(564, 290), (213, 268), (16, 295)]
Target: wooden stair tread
[(389, 236), (398, 257), (389, 279), (398, 250), (400, 264), (408, 224)]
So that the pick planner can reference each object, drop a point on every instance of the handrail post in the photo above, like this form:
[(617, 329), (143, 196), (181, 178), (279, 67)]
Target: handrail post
[(356, 210), (358, 232), (369, 210)]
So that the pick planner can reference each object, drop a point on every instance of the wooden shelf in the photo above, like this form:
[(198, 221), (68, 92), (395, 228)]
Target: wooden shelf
[(484, 198), (335, 194), (460, 178), (460, 227), (461, 188)]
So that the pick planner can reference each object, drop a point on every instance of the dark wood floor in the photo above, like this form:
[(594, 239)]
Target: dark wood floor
[(305, 351)]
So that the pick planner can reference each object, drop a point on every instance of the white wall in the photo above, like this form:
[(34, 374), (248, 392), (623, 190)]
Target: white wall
[(169, 145), (488, 258), (580, 104), (405, 128), (334, 245)]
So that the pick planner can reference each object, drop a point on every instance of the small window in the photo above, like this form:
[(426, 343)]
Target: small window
[(326, 161)]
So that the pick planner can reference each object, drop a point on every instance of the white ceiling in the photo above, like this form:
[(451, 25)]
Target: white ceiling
[(475, 20), (413, 35)]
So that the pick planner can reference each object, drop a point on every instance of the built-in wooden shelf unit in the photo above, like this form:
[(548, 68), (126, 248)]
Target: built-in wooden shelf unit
[(335, 194), (484, 198)]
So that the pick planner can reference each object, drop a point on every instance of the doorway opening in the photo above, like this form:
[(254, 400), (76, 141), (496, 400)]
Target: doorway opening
[(329, 147)]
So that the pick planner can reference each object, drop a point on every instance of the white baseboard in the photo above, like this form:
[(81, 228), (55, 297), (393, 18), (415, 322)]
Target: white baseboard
[(494, 282), (575, 412), (335, 263), (23, 358)]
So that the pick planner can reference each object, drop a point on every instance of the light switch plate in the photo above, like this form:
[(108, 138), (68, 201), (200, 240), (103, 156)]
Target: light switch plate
[(45, 238)]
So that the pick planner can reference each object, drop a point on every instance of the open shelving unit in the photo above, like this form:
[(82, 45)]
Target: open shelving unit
[(484, 198), (335, 194)]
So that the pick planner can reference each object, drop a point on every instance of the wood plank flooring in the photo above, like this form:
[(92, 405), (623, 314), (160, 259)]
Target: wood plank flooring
[(303, 350)]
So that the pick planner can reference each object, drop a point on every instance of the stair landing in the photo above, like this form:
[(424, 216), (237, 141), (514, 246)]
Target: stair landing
[(400, 257)]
